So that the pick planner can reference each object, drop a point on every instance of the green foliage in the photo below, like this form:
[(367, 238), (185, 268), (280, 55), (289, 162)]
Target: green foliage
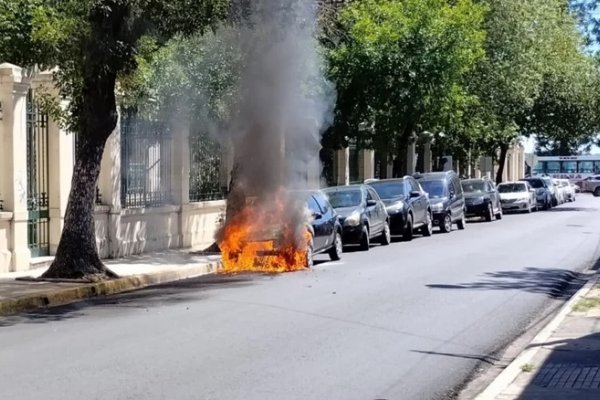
[(400, 66)]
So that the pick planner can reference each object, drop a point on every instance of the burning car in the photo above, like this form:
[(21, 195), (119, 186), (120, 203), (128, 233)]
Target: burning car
[(281, 235)]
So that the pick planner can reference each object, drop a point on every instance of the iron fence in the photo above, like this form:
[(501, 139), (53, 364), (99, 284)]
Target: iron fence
[(205, 169), (145, 163)]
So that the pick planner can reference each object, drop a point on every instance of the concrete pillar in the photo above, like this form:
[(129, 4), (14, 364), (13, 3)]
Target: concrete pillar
[(366, 164), (226, 165), (109, 184), (13, 160), (342, 176), (427, 157), (411, 158), (61, 156), (180, 164)]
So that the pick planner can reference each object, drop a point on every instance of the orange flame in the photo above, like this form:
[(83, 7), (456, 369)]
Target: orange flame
[(265, 239)]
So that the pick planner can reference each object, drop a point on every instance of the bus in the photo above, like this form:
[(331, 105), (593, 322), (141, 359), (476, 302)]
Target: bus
[(573, 168)]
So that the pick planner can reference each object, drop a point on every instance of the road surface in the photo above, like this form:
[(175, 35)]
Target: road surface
[(407, 321)]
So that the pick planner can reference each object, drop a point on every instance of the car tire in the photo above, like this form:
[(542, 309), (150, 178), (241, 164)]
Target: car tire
[(489, 216), (407, 234), (335, 253), (365, 241), (309, 263), (427, 229), (499, 214), (386, 236), (597, 192), (446, 225), (462, 223)]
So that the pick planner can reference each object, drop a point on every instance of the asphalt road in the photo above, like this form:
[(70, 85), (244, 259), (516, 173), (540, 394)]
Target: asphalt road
[(407, 321)]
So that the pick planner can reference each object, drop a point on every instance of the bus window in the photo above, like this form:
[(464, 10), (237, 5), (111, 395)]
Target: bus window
[(569, 167), (586, 167), (540, 168), (553, 167)]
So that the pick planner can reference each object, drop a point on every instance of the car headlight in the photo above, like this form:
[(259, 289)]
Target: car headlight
[(353, 219), (438, 207), (395, 208)]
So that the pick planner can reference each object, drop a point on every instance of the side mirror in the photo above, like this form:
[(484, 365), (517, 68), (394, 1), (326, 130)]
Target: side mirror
[(317, 216), (415, 194), (451, 195), (371, 203)]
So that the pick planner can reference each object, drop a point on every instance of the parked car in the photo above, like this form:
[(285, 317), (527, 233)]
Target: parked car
[(407, 206), (553, 190), (517, 196), (482, 199), (362, 214), (567, 189), (325, 226), (324, 229), (543, 192), (591, 184), (446, 198)]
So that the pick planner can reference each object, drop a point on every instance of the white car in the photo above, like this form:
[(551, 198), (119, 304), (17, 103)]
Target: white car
[(567, 189), (591, 184), (517, 196)]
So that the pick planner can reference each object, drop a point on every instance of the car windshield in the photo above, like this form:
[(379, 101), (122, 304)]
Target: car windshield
[(435, 189), (344, 198), (473, 186), (512, 187), (536, 183), (389, 190)]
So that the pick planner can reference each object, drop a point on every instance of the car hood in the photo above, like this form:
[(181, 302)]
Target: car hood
[(514, 196), (345, 212), (393, 200), (474, 195)]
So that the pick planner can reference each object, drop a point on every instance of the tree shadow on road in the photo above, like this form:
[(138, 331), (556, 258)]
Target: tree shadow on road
[(154, 296), (554, 283)]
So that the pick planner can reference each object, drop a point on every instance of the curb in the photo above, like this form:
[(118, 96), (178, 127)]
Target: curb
[(68, 295), (510, 373)]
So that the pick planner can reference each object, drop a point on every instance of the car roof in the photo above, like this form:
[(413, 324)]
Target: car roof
[(346, 187), (390, 180), (475, 180), (430, 176), (511, 183)]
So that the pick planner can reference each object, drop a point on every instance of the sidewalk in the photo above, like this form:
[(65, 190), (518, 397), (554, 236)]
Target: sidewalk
[(563, 361), (134, 272)]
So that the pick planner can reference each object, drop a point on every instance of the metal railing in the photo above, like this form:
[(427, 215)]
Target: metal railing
[(145, 163), (205, 169)]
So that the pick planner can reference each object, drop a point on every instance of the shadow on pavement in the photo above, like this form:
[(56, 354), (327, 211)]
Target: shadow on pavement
[(479, 357), (555, 283), (572, 371), (573, 209), (153, 296)]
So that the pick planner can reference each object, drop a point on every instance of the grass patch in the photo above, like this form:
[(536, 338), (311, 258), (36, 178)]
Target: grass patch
[(527, 368), (587, 304)]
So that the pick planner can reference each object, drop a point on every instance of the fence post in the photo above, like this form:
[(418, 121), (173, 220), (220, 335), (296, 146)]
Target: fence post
[(61, 154), (109, 185), (13, 161), (180, 163)]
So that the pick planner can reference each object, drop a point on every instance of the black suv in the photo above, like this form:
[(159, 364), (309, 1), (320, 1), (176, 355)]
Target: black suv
[(361, 213), (406, 204), (482, 199), (446, 198)]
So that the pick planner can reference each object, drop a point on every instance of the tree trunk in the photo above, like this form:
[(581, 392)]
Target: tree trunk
[(501, 163), (77, 255)]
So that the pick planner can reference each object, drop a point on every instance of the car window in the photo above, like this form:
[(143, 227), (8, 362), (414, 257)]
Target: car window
[(345, 198), (435, 189), (474, 186), (389, 190), (372, 194), (323, 202), (313, 206), (413, 185)]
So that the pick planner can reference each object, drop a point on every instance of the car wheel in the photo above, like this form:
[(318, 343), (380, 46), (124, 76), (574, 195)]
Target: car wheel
[(365, 241), (407, 235), (427, 229), (446, 225), (309, 263), (386, 236), (597, 192), (462, 223), (335, 253), (499, 215), (489, 216)]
